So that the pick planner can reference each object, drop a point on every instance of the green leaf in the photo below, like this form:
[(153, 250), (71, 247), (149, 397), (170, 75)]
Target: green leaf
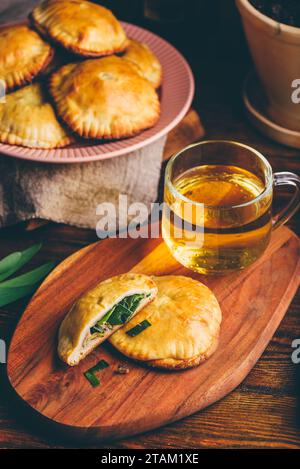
[(92, 379), (138, 328), (9, 295), (121, 313), (90, 374), (106, 316), (10, 264), (100, 366), (23, 285), (30, 278)]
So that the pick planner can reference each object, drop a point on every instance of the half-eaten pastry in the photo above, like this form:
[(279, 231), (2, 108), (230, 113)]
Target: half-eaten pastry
[(100, 312)]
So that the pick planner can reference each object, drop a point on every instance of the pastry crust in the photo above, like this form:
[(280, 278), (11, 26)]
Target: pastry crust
[(82, 27), (104, 98), (23, 55), (27, 118), (75, 340), (140, 54), (185, 323)]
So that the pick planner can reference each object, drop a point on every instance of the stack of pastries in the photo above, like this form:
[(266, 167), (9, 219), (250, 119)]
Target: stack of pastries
[(73, 73)]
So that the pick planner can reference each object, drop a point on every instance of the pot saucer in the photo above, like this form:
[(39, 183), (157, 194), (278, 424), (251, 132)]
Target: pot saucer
[(256, 105)]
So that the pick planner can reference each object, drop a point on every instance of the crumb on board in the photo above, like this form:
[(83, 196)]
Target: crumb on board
[(122, 370)]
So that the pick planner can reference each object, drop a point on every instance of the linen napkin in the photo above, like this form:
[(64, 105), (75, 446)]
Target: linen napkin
[(70, 193)]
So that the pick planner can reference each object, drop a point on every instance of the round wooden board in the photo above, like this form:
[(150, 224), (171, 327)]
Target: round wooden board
[(253, 304)]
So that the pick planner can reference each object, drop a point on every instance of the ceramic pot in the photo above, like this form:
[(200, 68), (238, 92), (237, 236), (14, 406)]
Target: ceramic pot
[(275, 49)]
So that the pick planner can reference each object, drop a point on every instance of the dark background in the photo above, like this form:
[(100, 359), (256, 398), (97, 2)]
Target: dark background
[(206, 27), (264, 411)]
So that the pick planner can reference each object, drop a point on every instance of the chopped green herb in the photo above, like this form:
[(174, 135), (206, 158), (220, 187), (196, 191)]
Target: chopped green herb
[(90, 374), (136, 330), (119, 313), (100, 366), (98, 330), (93, 380), (124, 310)]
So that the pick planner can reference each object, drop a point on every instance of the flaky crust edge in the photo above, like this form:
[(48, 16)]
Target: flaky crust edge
[(12, 139), (93, 134), (173, 364), (27, 79), (74, 49)]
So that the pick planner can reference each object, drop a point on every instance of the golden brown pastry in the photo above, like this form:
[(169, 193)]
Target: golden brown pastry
[(83, 27), (104, 98), (185, 323), (23, 55), (141, 55), (27, 118), (100, 312)]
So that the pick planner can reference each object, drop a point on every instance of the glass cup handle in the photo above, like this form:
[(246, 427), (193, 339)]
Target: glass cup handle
[(287, 179)]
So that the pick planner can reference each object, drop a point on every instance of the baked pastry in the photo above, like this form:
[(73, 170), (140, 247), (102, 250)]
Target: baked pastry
[(104, 98), (185, 323), (23, 55), (82, 27), (141, 55), (27, 118), (100, 312)]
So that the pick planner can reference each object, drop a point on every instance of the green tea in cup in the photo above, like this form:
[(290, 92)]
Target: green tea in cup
[(218, 206)]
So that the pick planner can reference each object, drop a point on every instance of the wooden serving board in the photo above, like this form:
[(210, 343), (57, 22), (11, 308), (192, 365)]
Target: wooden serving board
[(253, 304)]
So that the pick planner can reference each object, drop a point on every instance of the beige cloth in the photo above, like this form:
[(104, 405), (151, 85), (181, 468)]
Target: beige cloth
[(70, 193)]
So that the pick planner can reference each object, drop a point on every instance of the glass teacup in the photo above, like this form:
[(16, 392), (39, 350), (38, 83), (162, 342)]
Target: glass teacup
[(218, 198)]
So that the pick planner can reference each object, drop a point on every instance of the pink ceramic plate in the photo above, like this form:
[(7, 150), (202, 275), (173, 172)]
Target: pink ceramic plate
[(177, 92)]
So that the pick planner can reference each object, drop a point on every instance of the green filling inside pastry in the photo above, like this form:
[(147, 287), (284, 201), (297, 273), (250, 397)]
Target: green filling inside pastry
[(118, 314)]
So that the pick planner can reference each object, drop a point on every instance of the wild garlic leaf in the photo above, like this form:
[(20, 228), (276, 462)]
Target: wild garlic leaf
[(138, 328), (90, 374), (119, 313), (30, 278), (9, 262), (9, 295), (122, 313), (16, 261), (92, 379)]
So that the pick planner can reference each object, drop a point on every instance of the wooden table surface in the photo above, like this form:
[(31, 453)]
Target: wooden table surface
[(264, 411)]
